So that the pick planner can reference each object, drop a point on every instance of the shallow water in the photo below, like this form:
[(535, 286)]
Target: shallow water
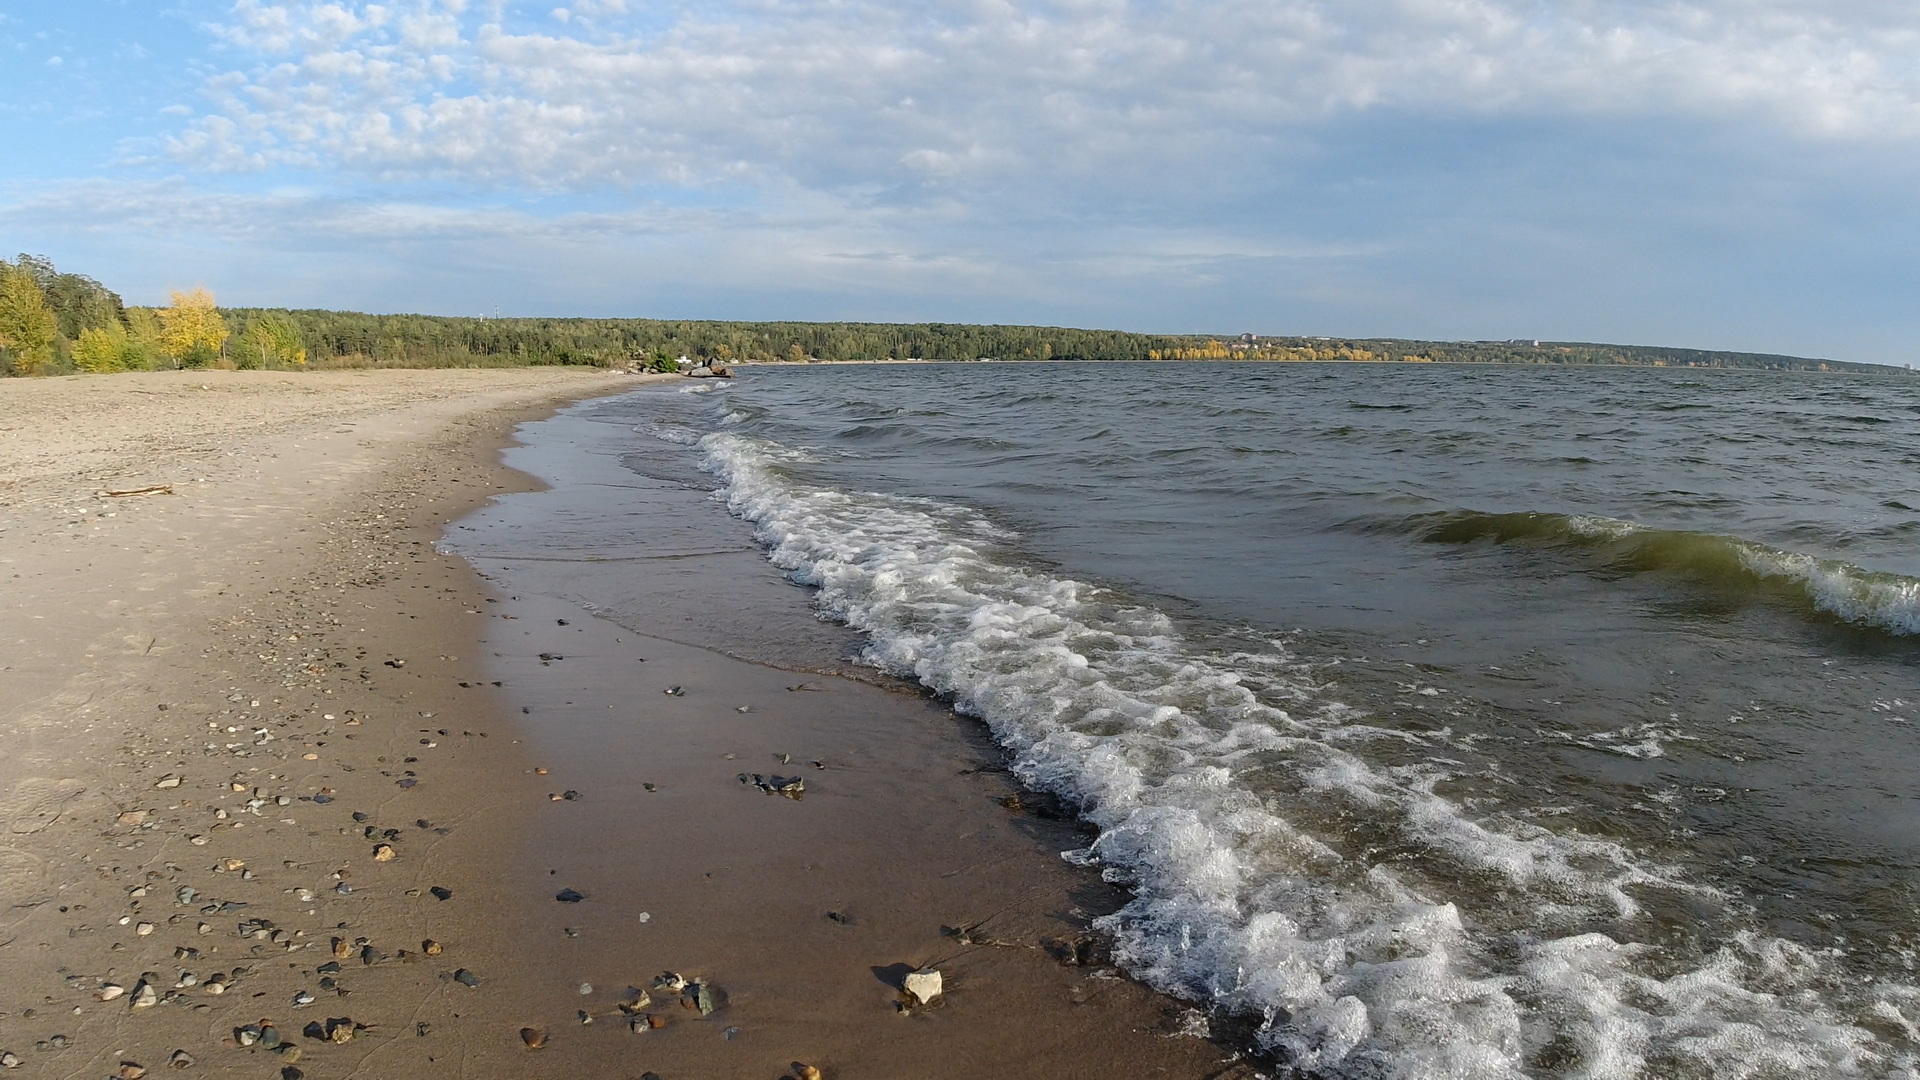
[(1454, 721)]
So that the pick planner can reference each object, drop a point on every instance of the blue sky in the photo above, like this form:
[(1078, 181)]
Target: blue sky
[(1719, 173)]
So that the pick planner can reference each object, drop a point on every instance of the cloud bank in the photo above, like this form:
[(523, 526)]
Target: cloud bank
[(860, 95)]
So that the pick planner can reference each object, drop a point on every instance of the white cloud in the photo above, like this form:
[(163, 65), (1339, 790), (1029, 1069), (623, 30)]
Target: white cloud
[(862, 94)]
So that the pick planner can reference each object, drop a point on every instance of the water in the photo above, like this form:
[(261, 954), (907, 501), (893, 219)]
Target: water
[(1454, 722)]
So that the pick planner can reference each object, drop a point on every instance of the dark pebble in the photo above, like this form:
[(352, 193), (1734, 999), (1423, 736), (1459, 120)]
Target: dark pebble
[(441, 892), (466, 978), (569, 896)]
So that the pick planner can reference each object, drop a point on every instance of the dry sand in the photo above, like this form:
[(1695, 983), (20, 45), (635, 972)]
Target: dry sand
[(269, 689)]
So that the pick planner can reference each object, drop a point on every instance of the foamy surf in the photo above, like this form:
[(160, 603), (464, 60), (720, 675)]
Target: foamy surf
[(1374, 927)]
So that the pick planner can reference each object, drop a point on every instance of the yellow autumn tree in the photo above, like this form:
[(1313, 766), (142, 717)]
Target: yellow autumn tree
[(27, 323), (191, 330)]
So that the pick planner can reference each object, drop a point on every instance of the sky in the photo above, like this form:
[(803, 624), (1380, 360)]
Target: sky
[(1739, 174)]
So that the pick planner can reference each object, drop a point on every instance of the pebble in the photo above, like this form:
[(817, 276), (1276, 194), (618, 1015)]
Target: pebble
[(700, 996), (130, 1070), (181, 1060), (9, 1060), (533, 1037), (145, 996), (143, 929), (168, 781), (805, 1072), (923, 985), (676, 691), (585, 989), (441, 893), (431, 947), (269, 1036), (109, 992), (569, 896), (384, 853), (302, 999), (466, 978)]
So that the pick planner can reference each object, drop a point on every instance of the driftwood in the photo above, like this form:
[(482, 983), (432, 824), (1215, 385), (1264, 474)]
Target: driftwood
[(157, 489)]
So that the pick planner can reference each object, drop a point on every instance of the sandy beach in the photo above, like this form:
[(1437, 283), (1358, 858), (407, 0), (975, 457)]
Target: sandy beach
[(280, 771)]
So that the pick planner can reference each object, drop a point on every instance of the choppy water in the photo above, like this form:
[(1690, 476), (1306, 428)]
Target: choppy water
[(1458, 722)]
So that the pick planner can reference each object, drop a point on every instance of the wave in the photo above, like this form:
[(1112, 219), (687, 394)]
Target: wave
[(1371, 926), (1887, 602)]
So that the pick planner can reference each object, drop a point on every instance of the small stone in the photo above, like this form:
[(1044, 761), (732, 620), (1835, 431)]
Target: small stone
[(246, 1036), (291, 1073), (269, 1036), (441, 893), (805, 1072), (676, 691), (923, 985), (533, 1037), (569, 896), (384, 853), (130, 1070), (133, 817), (302, 999), (432, 947), (143, 929), (180, 1060), (656, 1022), (168, 781), (289, 1052), (466, 978), (9, 1060), (583, 1016), (651, 787), (217, 983), (670, 981), (585, 989), (109, 992), (342, 948), (570, 795), (145, 996), (701, 997), (341, 1030)]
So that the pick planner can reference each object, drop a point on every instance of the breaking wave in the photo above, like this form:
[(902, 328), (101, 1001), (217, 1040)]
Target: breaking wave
[(1886, 602), (1371, 926)]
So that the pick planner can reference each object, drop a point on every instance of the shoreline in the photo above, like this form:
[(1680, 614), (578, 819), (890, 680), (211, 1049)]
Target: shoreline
[(635, 657), (268, 692)]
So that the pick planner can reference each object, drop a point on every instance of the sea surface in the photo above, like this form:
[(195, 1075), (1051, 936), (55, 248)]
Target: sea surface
[(1448, 721)]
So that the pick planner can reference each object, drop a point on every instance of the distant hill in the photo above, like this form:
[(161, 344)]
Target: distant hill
[(1249, 347)]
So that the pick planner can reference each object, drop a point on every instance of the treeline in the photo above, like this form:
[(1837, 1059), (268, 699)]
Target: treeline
[(1398, 350), (350, 338), (44, 315), (55, 323)]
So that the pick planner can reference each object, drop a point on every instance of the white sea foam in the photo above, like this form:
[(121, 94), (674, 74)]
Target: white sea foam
[(1219, 791)]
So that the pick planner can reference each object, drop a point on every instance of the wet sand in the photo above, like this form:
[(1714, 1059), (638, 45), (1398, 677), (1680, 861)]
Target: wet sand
[(281, 627)]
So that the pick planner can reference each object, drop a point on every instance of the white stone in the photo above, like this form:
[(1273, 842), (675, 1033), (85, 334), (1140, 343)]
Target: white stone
[(923, 986)]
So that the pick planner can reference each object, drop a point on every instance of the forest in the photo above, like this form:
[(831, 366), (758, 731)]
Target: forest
[(59, 323)]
